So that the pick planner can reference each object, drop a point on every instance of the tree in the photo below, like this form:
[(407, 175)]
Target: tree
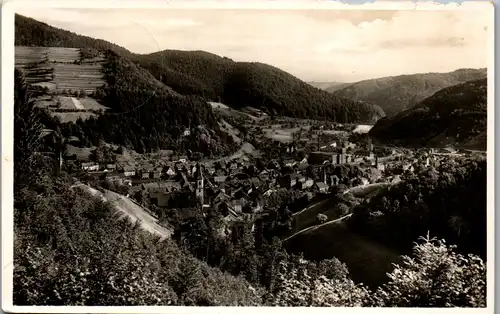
[(343, 209), (27, 128), (321, 218), (435, 277)]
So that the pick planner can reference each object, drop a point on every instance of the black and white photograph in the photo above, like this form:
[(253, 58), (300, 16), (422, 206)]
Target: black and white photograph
[(225, 156)]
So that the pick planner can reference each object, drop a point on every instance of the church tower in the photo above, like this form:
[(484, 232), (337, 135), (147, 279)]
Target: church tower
[(200, 185)]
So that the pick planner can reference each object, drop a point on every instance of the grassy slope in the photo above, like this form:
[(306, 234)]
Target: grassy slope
[(368, 261), (397, 93), (460, 109)]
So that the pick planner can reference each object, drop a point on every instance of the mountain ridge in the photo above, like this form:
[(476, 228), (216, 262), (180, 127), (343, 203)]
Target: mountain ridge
[(212, 77), (455, 116), (400, 92)]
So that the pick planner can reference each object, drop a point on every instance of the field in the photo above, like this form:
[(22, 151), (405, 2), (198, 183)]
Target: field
[(82, 154), (73, 77), (73, 116), (56, 66), (362, 128)]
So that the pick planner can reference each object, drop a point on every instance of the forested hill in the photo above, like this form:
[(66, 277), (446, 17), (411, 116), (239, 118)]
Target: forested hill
[(30, 32), (216, 78), (397, 93), (455, 115), (149, 115)]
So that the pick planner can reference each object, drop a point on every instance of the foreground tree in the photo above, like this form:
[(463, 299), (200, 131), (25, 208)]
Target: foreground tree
[(27, 130), (435, 277)]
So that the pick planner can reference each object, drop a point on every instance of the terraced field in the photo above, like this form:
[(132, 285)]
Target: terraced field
[(61, 68), (75, 77), (63, 71)]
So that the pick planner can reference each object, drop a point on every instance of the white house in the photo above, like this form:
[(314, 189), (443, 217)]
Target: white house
[(90, 166)]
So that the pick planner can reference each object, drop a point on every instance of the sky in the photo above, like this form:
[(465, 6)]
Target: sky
[(314, 45)]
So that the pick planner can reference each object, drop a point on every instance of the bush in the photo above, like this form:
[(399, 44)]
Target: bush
[(321, 218)]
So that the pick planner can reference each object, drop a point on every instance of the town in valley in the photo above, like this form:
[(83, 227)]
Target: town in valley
[(184, 177)]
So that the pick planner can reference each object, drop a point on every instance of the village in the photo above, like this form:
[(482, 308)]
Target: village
[(239, 187)]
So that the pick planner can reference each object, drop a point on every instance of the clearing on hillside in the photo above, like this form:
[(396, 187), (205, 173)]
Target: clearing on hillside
[(73, 116), (61, 68)]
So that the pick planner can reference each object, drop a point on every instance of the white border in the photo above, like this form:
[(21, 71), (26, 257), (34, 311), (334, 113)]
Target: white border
[(8, 9)]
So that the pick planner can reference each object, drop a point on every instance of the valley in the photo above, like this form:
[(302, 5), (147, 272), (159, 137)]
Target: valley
[(185, 178)]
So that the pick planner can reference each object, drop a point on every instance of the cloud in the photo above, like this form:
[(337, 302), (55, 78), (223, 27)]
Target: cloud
[(341, 45)]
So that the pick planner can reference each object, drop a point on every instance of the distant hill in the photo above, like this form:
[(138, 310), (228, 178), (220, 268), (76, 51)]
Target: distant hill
[(215, 78), (330, 86), (455, 115), (398, 93)]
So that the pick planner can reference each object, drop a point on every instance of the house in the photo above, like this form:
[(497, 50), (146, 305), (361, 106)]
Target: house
[(319, 157), (117, 178), (129, 171), (321, 187), (273, 164), (301, 179), (111, 167), (237, 206), (256, 182), (157, 174), (396, 179), (170, 171), (233, 165), (264, 174), (90, 166), (289, 162), (288, 180), (73, 140), (268, 192), (220, 179), (144, 174), (308, 183)]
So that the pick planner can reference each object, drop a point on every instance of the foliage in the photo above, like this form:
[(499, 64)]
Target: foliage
[(27, 128), (70, 249), (454, 115), (148, 116), (215, 78), (321, 218), (435, 277), (398, 93), (297, 287), (449, 201)]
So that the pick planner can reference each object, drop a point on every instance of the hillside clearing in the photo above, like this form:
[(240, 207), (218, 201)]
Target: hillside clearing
[(73, 116), (128, 209)]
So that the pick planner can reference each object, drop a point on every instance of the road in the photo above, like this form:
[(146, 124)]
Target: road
[(318, 226)]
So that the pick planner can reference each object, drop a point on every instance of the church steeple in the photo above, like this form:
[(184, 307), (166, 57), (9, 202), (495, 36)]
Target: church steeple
[(200, 184)]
